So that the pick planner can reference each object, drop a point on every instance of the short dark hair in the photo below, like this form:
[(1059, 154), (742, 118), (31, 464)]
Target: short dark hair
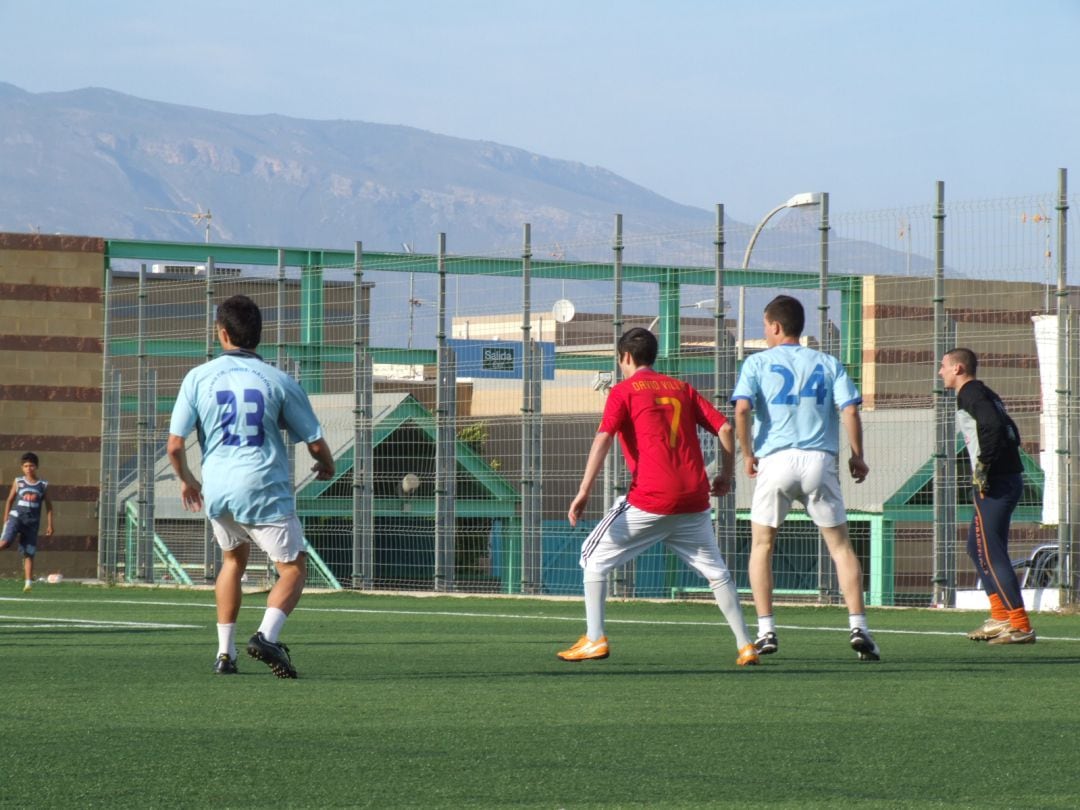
[(640, 344), (241, 319), (31, 457), (966, 358), (788, 312)]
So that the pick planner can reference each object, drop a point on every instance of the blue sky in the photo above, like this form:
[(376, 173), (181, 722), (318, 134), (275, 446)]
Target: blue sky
[(734, 101)]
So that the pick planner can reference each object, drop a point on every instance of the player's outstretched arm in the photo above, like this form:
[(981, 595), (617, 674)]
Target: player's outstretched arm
[(743, 434), (47, 503), (857, 465), (721, 484), (190, 488), (597, 453)]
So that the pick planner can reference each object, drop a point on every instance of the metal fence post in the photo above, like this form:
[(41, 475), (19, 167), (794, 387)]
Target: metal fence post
[(944, 543), (363, 533), (530, 408), (445, 443), (826, 583), (211, 552), (108, 529), (622, 578), (141, 567), (723, 384), (823, 278), (110, 450), (1066, 341), (280, 360)]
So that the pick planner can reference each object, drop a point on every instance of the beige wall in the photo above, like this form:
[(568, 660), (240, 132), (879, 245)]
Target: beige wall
[(993, 318), (51, 327)]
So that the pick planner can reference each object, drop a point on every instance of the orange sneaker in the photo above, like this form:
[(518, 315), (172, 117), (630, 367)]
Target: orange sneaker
[(748, 656), (585, 650)]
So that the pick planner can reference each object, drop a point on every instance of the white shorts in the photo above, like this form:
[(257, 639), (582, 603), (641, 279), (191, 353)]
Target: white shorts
[(809, 476), (626, 531), (282, 540)]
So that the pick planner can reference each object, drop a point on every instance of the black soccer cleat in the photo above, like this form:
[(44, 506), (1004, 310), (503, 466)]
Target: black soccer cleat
[(225, 665), (767, 644), (864, 646), (274, 655)]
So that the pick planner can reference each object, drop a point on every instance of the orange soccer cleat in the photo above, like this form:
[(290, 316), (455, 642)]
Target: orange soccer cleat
[(585, 650), (748, 656)]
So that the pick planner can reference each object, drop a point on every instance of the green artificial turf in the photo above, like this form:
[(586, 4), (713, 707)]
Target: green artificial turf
[(460, 702)]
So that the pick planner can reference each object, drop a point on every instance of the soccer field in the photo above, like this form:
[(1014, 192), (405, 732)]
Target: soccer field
[(460, 702)]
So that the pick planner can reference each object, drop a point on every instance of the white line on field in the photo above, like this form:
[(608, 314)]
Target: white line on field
[(678, 623), (93, 623), (513, 616)]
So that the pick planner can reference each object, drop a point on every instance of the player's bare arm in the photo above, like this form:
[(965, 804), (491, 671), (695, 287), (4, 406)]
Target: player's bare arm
[(857, 465), (743, 434), (190, 488), (722, 483), (324, 460), (11, 497), (47, 503), (597, 453)]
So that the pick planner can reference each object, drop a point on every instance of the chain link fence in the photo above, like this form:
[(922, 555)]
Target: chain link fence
[(460, 394)]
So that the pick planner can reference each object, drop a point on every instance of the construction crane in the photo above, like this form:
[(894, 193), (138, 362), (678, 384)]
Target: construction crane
[(196, 216)]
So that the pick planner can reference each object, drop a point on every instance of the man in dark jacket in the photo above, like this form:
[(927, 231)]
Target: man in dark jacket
[(993, 443)]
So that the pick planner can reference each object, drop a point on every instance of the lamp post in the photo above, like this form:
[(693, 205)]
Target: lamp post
[(798, 201), (705, 304)]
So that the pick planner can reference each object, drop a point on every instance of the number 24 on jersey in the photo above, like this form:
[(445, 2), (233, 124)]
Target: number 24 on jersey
[(814, 386)]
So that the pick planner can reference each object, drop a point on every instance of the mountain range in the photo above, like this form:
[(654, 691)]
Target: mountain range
[(101, 163)]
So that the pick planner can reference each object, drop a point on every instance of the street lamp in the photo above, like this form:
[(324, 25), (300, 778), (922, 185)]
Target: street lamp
[(798, 201), (704, 304)]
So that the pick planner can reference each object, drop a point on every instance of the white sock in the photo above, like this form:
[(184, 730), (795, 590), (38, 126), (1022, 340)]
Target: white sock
[(29, 581), (727, 598), (766, 624), (858, 620), (226, 640), (595, 596), (273, 621)]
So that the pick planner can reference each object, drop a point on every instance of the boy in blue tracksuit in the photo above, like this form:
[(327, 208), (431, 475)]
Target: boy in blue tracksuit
[(28, 496)]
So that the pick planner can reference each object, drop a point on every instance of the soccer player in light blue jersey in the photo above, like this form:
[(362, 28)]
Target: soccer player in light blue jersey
[(797, 396), (240, 404)]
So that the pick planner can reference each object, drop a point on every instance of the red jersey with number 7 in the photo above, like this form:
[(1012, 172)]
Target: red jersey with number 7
[(656, 418)]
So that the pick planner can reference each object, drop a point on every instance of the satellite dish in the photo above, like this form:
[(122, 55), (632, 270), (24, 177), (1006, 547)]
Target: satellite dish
[(410, 483), (563, 310)]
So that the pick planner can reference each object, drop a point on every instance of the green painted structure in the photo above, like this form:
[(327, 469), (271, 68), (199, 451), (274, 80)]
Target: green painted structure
[(502, 501)]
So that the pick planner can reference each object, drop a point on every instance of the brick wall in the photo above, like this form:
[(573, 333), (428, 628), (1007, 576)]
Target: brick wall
[(51, 327)]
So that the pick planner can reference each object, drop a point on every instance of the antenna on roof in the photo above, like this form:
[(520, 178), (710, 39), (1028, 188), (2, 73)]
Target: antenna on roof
[(196, 216)]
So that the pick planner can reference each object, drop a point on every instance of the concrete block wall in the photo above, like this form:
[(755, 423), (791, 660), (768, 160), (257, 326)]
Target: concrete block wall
[(51, 327), (993, 318)]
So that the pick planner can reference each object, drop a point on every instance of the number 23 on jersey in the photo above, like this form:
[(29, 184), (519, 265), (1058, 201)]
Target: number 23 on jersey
[(241, 419)]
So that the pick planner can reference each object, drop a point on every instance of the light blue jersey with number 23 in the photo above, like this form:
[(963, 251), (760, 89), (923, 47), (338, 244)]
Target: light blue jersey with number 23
[(240, 404), (796, 394)]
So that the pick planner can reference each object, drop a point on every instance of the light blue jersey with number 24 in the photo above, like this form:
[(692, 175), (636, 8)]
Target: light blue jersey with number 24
[(240, 404), (796, 394)]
